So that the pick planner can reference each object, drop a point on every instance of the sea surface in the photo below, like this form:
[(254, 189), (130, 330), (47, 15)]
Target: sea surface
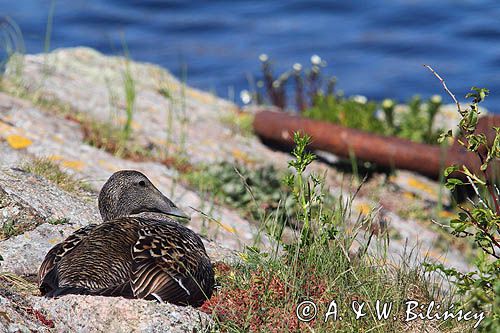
[(374, 48)]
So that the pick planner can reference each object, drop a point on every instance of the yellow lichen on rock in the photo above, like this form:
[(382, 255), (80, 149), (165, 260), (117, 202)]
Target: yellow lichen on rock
[(421, 186), (55, 158), (408, 195), (54, 241), (18, 141), (108, 166), (75, 165), (437, 255), (201, 96), (447, 215), (364, 208), (242, 156), (58, 139)]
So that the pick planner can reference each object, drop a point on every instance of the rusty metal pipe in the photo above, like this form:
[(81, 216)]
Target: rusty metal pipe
[(391, 152)]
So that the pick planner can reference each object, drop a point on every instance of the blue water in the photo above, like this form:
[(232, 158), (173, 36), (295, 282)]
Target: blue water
[(374, 48)]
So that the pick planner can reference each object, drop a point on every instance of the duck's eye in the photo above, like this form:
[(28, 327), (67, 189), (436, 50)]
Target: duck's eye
[(142, 183)]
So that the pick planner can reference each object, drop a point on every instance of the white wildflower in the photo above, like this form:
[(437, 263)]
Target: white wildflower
[(297, 67), (387, 103), (263, 57), (360, 99), (316, 60), (284, 77), (379, 114), (245, 96), (436, 99), (276, 84)]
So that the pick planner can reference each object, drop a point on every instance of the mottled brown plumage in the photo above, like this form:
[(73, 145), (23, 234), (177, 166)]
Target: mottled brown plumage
[(134, 253)]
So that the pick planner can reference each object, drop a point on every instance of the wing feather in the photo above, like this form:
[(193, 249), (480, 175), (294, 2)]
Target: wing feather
[(60, 250), (170, 264)]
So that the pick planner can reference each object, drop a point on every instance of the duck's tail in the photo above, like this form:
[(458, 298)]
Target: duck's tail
[(122, 291), (50, 288), (66, 291)]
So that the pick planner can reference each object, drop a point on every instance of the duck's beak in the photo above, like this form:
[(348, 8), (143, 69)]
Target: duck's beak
[(174, 211), (166, 206)]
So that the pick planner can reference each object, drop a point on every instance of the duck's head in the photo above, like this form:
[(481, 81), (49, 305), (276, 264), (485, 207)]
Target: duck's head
[(130, 192)]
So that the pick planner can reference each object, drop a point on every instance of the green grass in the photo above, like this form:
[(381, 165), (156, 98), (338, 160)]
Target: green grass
[(102, 135), (176, 117), (106, 136), (58, 221), (241, 123), (129, 85), (262, 293), (130, 92), (165, 91), (183, 118), (19, 284), (15, 88), (52, 172), (9, 229), (256, 193), (48, 28), (324, 262), (47, 39)]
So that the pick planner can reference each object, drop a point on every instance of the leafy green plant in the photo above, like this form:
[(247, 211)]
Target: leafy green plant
[(347, 112), (256, 192), (262, 291), (259, 194), (479, 222), (307, 191), (417, 123), (316, 98)]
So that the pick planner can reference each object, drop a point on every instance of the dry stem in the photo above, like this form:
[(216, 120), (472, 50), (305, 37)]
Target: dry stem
[(445, 87)]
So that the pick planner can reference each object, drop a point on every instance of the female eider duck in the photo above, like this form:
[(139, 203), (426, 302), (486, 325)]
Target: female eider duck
[(138, 252)]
